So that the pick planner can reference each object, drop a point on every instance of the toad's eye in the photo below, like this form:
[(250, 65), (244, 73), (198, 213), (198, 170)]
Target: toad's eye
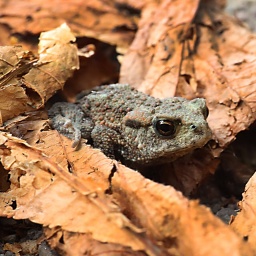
[(164, 127)]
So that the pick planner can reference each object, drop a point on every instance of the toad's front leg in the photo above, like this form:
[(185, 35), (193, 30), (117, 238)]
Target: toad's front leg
[(70, 120)]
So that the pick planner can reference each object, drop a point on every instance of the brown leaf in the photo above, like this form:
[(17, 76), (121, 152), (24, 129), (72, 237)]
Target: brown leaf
[(244, 222), (14, 99), (155, 56), (26, 247), (107, 21), (186, 173), (57, 62), (44, 191), (79, 244), (27, 83), (184, 227), (101, 68), (28, 126), (85, 192)]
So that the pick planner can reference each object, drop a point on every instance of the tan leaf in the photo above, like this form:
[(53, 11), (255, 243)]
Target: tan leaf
[(58, 59), (188, 172), (51, 195), (14, 99), (80, 244), (157, 50), (26, 83), (183, 226), (108, 21), (244, 222)]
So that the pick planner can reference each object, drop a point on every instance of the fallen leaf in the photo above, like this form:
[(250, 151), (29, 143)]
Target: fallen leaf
[(154, 58), (14, 99), (79, 244), (184, 227), (244, 222), (108, 21), (26, 83), (43, 191), (58, 59)]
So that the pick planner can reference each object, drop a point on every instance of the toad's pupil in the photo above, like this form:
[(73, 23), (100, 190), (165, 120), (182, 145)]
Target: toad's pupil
[(165, 127)]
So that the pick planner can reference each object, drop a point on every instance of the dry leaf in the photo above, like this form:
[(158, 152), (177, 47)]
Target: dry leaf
[(183, 226), (14, 99), (79, 244), (26, 83), (27, 247), (108, 21), (28, 126), (58, 59), (101, 68), (155, 56), (51, 195), (186, 173), (244, 222)]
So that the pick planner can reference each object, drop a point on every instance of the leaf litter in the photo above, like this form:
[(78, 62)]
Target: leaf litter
[(32, 81), (82, 196)]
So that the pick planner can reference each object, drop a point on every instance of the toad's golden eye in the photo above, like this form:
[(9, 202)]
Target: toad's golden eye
[(164, 127)]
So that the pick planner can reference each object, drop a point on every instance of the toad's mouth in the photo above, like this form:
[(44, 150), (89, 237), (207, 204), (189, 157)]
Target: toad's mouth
[(166, 156), (171, 156)]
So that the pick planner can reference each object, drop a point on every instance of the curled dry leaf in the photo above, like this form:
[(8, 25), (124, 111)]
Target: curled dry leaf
[(14, 62), (244, 222), (26, 82), (58, 59), (85, 192), (202, 52)]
